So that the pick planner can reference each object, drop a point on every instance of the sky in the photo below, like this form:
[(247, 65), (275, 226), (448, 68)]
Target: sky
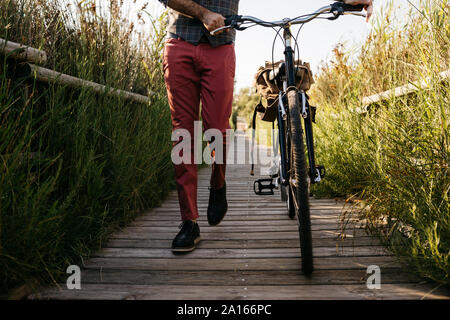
[(316, 40)]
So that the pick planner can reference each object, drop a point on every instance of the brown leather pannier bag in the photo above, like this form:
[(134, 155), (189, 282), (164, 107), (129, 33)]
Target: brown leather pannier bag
[(268, 106)]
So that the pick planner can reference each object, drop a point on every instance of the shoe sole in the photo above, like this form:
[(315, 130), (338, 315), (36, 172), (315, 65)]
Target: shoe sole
[(217, 223), (214, 224), (196, 241)]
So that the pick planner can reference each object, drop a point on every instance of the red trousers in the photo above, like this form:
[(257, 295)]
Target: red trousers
[(195, 74)]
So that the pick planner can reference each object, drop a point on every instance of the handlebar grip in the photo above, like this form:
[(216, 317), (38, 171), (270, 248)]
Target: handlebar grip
[(358, 7), (347, 7), (230, 20)]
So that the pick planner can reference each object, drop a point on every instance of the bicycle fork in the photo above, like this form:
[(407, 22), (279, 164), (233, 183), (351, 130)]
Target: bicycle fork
[(316, 172)]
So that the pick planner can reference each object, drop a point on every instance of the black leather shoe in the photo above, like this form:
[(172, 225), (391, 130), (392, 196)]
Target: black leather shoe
[(187, 238), (217, 206)]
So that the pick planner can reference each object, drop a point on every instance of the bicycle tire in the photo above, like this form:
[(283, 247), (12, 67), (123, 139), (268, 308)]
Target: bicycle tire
[(299, 189), (285, 190)]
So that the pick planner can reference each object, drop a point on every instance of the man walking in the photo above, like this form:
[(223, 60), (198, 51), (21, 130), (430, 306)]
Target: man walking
[(198, 68)]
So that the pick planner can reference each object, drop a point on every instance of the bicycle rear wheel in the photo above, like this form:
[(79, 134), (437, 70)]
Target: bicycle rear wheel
[(298, 185)]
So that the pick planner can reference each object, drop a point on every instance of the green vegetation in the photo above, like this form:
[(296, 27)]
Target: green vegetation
[(75, 165), (395, 158)]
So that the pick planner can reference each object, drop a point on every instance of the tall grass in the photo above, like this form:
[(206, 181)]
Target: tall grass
[(395, 158), (75, 165)]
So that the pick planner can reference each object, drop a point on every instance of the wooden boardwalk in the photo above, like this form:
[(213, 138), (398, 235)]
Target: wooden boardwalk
[(253, 254)]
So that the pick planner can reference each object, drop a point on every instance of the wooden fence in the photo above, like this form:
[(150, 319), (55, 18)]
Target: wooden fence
[(28, 58)]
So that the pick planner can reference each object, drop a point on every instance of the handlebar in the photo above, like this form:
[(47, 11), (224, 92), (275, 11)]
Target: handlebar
[(337, 9)]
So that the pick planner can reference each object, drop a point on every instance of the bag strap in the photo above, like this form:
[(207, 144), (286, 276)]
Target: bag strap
[(275, 141), (252, 171)]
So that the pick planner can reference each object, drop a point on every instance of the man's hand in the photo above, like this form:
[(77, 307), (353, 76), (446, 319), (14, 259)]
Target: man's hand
[(368, 5), (210, 20), (213, 21)]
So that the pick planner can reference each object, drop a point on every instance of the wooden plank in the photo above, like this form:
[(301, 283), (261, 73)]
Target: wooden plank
[(158, 292), (249, 209), (226, 223), (240, 253), (238, 244), (330, 263), (206, 236), (280, 212), (175, 217), (340, 292), (221, 278), (251, 204), (245, 193), (232, 229), (240, 209)]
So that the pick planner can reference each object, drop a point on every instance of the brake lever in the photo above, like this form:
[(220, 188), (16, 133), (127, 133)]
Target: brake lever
[(237, 27), (359, 14), (337, 14), (230, 22), (220, 29)]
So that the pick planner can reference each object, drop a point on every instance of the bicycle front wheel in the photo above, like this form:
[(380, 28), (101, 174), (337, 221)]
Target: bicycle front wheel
[(299, 182), (287, 197)]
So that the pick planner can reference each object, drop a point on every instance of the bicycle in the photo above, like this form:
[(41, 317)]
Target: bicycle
[(294, 177)]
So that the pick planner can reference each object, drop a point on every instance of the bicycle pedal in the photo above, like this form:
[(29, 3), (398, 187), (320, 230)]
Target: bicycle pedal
[(322, 170), (264, 185), (320, 174)]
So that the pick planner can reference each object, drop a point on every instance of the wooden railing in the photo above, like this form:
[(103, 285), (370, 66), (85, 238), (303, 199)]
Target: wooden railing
[(21, 52), (30, 57), (400, 91)]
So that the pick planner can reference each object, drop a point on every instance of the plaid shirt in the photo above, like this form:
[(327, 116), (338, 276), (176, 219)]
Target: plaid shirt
[(192, 30)]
